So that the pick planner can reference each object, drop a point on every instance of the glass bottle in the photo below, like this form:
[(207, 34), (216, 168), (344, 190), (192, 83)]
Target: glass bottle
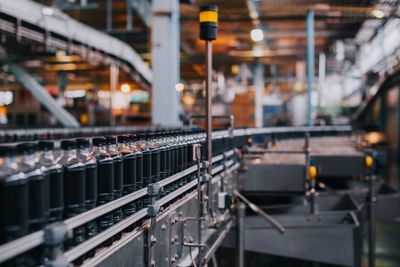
[(113, 151), (37, 194), (129, 172), (13, 196), (74, 186), (55, 184), (105, 180), (87, 159)]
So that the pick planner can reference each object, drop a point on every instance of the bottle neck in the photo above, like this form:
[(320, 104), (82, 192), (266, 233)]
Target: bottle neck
[(8, 160), (48, 154), (84, 151), (112, 146), (69, 152), (142, 143), (99, 149), (29, 158)]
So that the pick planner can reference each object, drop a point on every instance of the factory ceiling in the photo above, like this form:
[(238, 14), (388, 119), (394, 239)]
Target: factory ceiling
[(283, 23)]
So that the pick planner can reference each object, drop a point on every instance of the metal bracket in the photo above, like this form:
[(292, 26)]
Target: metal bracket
[(205, 178), (153, 210), (54, 236), (204, 165), (194, 245), (153, 189)]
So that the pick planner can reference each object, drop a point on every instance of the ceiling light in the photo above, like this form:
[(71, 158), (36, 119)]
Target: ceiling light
[(179, 87), (48, 11), (257, 35), (125, 88), (74, 93), (377, 13)]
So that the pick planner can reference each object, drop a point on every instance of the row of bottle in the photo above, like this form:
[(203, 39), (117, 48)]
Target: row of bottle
[(40, 184), (44, 134)]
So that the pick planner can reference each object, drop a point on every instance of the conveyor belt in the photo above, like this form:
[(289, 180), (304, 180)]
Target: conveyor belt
[(26, 243)]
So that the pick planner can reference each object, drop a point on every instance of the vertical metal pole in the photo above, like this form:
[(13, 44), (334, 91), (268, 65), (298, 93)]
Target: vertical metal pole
[(382, 115), (109, 15), (258, 75), (310, 64), (197, 149), (209, 115), (129, 15), (240, 234), (371, 223), (311, 183), (321, 77), (62, 81), (114, 73)]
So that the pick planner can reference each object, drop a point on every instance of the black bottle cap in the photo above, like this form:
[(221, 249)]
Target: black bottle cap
[(27, 147), (99, 141), (150, 135), (123, 138), (111, 140), (8, 150), (83, 142), (133, 137), (46, 145), (68, 144), (141, 136)]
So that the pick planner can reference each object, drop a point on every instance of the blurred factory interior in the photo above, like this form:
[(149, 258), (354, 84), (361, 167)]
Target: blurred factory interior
[(280, 70)]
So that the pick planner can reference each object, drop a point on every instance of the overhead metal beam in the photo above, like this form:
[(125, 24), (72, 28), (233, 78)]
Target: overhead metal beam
[(143, 8), (300, 18), (42, 96)]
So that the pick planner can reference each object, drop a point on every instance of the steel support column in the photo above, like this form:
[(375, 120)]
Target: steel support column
[(165, 62), (44, 98), (129, 20), (258, 81), (310, 64), (109, 15)]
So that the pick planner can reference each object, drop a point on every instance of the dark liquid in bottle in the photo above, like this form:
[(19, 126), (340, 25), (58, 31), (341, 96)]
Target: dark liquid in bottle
[(91, 196), (155, 165), (129, 164), (14, 203), (146, 167), (37, 200), (74, 197), (56, 194), (139, 178), (105, 189)]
